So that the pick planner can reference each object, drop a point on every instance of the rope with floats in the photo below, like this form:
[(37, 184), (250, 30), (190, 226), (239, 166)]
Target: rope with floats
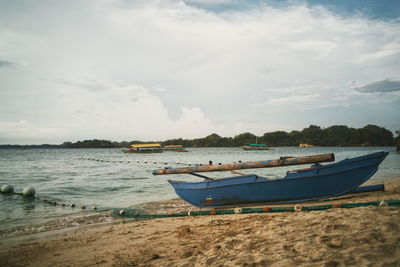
[(134, 213)]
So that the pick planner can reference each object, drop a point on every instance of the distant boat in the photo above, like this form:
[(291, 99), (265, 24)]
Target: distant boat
[(255, 147), (317, 182), (175, 148), (144, 148), (306, 145)]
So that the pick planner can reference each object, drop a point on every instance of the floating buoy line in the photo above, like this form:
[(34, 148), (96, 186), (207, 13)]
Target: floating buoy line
[(146, 161), (30, 192)]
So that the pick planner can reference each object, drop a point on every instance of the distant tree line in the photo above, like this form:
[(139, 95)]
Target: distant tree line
[(30, 146), (337, 135), (95, 143)]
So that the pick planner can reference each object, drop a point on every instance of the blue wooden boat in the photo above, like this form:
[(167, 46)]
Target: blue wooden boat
[(317, 182)]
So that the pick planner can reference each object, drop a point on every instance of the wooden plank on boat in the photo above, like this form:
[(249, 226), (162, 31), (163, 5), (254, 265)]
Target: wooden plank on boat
[(283, 161)]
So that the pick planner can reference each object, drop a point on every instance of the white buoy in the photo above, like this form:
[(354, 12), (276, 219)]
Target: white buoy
[(145, 161), (297, 207), (28, 191), (155, 162), (121, 212), (178, 162), (165, 162), (238, 210), (7, 189)]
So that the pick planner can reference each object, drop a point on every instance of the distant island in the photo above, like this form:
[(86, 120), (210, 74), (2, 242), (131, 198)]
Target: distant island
[(337, 135)]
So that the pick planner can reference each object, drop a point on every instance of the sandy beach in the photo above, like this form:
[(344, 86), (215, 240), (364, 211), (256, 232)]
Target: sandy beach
[(364, 236)]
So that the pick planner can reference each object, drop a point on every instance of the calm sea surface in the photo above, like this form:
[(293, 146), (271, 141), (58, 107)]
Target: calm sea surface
[(111, 178)]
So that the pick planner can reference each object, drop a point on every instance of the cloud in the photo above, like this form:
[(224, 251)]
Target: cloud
[(125, 112), (210, 2), (92, 85), (161, 69), (28, 130), (384, 86), (388, 50), (7, 64)]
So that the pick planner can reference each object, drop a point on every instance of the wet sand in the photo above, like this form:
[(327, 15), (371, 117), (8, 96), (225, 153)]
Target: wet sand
[(364, 236)]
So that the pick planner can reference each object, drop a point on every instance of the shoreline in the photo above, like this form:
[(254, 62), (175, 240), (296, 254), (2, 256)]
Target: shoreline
[(334, 237), (84, 218)]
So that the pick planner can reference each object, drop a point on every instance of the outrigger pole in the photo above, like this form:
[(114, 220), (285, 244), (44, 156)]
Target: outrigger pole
[(283, 161)]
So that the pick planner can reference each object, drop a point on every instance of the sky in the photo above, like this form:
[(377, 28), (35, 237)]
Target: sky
[(162, 69)]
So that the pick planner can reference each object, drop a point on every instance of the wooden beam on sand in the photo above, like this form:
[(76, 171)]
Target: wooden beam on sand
[(283, 161)]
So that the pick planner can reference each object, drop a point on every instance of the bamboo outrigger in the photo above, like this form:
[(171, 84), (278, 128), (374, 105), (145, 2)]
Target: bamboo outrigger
[(283, 161)]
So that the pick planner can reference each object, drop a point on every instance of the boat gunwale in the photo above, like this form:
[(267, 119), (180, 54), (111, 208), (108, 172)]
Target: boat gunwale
[(247, 164)]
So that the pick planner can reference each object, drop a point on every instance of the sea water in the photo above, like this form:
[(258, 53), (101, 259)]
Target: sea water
[(109, 178)]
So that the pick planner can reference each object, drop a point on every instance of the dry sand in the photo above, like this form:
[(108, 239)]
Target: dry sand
[(365, 236)]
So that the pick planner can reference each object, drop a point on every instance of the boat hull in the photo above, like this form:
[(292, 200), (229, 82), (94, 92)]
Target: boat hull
[(176, 150), (142, 151), (320, 181), (255, 148)]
